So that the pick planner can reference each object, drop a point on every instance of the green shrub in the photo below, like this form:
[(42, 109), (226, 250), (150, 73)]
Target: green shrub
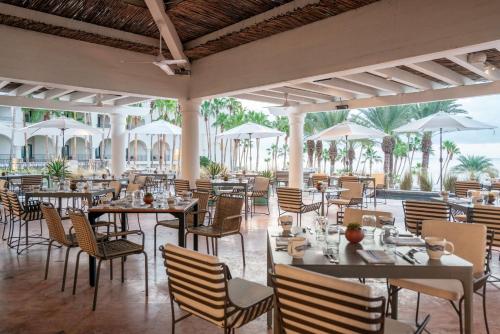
[(57, 168), (204, 161), (266, 173), (214, 169), (407, 181), (449, 183), (425, 181)]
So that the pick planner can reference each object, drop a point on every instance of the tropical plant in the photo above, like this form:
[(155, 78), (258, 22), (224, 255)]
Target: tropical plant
[(385, 119), (407, 181), (351, 155), (332, 154), (281, 123), (450, 182), (57, 168), (206, 111), (425, 181), (267, 173), (451, 150), (204, 161), (474, 166), (400, 154), (388, 144), (370, 156), (215, 169)]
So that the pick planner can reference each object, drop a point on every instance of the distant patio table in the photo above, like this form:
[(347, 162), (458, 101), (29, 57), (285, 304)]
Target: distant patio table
[(11, 177), (329, 191), (235, 183), (351, 265), (123, 208), (60, 194), (364, 179), (460, 205)]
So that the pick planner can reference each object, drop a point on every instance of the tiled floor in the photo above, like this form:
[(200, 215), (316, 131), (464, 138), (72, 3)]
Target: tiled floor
[(28, 304)]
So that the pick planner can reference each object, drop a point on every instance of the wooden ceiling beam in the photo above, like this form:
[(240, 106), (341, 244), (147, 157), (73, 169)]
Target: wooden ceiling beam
[(349, 86), (127, 100), (26, 89), (167, 30), (478, 69), (55, 93), (405, 77), (376, 82), (78, 96), (324, 90), (4, 83), (264, 99), (440, 72), (304, 93), (279, 95)]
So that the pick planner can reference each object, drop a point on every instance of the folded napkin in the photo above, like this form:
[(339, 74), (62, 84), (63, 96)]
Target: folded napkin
[(404, 241), (376, 256)]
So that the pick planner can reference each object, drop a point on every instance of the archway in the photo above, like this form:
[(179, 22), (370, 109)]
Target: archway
[(142, 151), (76, 149), (41, 148)]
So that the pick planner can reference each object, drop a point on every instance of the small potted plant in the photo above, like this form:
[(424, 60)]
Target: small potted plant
[(354, 233), (148, 198), (225, 175)]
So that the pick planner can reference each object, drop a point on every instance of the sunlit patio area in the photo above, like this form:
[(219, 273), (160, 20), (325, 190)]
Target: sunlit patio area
[(291, 166)]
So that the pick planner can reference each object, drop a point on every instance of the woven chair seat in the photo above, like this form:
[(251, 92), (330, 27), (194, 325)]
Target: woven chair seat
[(448, 289), (120, 247), (311, 207), (258, 194), (339, 201), (210, 231), (173, 223)]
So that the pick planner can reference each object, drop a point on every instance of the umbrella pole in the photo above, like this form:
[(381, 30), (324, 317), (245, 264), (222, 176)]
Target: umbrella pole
[(346, 153), (250, 150), (441, 159)]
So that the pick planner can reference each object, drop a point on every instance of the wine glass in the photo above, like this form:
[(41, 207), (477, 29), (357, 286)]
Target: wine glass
[(369, 223)]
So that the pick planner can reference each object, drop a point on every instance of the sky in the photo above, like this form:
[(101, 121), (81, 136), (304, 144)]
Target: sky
[(478, 142)]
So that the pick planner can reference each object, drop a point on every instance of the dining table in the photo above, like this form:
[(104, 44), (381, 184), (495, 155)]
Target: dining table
[(124, 207), (366, 180), (350, 264), (58, 194), (240, 182), (461, 205)]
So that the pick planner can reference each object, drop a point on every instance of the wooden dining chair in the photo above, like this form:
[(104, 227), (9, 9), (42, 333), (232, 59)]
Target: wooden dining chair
[(488, 216), (309, 302), (472, 242), (260, 190), (417, 211), (290, 200), (352, 197), (202, 286), (461, 187), (5, 214), (172, 222), (353, 215), (226, 221), (181, 186), (103, 249)]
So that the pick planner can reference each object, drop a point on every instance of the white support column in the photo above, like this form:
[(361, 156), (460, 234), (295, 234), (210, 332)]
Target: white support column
[(295, 174), (190, 143), (118, 140)]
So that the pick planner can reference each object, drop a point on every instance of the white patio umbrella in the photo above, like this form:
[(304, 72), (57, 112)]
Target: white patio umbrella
[(347, 130), (443, 122), (159, 127), (250, 131), (63, 124)]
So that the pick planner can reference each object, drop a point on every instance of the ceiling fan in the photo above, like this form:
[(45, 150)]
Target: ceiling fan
[(160, 61)]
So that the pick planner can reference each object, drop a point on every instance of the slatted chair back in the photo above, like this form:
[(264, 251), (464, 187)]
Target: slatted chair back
[(141, 180), (348, 178), (355, 190), (352, 215), (54, 224), (289, 199), (204, 185), (495, 185), (117, 186), (469, 240), (319, 178), (281, 176), (14, 204), (4, 198), (131, 177), (84, 233), (227, 216), (27, 182), (418, 211), (181, 186), (197, 282), (4, 184), (461, 187), (203, 198), (309, 302), (261, 184), (490, 217), (131, 187), (379, 180)]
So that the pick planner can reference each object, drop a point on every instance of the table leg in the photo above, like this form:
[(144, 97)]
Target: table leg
[(323, 203), (270, 284), (59, 208), (468, 301), (374, 194), (182, 219), (123, 222), (195, 223), (394, 302), (246, 202)]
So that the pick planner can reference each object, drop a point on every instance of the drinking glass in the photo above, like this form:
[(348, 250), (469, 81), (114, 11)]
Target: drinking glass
[(332, 238), (320, 227), (369, 223)]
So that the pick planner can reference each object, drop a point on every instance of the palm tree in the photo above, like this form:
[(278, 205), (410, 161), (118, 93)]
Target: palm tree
[(281, 123), (451, 151), (310, 152), (206, 111), (422, 110), (371, 156), (388, 144), (316, 122), (261, 119), (319, 153), (332, 154), (475, 165), (218, 105), (400, 154), (351, 155), (168, 110)]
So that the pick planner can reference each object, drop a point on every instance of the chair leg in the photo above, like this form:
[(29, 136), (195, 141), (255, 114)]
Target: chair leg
[(146, 270), (173, 313), (242, 248), (96, 284), (48, 259), (484, 310), (208, 248), (123, 268), (417, 308), (216, 246), (154, 249), (76, 271), (110, 270), (65, 268)]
